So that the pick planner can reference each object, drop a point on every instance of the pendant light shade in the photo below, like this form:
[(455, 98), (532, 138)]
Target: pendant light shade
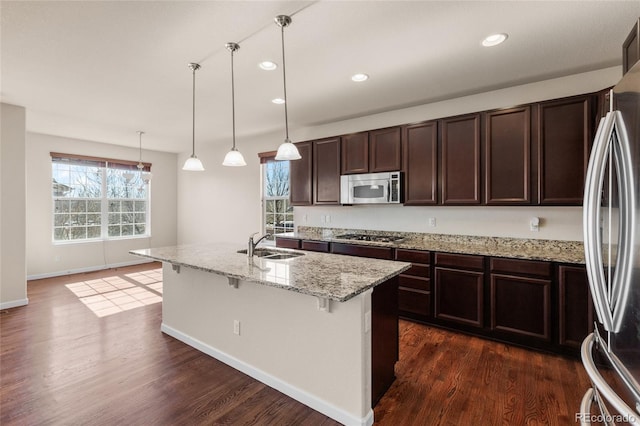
[(287, 150), (193, 163), (233, 158)]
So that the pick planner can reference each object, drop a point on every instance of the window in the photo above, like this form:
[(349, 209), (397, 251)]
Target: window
[(277, 212), (97, 198)]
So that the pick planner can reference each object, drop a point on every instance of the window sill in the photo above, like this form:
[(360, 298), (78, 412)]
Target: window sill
[(99, 240)]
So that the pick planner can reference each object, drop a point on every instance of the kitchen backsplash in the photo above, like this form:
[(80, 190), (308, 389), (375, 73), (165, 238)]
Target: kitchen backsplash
[(555, 223)]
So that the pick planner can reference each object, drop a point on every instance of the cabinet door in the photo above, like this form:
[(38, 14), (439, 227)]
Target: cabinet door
[(521, 306), (631, 48), (507, 161), (300, 187), (575, 316), (565, 132), (326, 171), (355, 153), (458, 296), (420, 150), (385, 150), (460, 159)]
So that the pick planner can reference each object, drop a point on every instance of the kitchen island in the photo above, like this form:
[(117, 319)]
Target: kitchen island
[(320, 328)]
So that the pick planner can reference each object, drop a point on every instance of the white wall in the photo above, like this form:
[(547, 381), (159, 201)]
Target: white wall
[(13, 278), (44, 258), (221, 204), (228, 200)]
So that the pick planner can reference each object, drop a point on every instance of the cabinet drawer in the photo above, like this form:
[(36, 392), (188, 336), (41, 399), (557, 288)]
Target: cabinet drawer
[(419, 271), (322, 246), (414, 256), (293, 243), (464, 261), (363, 251), (414, 282), (521, 267), (414, 301)]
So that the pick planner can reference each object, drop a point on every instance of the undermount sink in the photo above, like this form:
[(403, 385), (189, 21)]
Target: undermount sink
[(272, 254)]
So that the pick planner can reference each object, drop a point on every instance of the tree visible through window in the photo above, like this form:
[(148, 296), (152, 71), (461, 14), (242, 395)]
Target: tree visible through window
[(278, 213), (98, 199)]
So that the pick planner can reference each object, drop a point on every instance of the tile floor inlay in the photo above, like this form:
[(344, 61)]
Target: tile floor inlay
[(119, 293)]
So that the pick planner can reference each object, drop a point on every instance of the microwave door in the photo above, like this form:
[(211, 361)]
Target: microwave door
[(370, 192)]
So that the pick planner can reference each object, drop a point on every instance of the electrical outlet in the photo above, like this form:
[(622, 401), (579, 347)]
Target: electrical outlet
[(322, 218), (328, 218), (236, 327), (305, 218), (432, 222)]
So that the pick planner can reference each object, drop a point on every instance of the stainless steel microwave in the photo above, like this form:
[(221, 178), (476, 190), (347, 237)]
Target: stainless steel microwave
[(371, 188)]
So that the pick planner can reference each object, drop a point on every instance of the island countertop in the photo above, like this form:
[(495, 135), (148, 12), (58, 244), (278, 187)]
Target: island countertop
[(328, 276)]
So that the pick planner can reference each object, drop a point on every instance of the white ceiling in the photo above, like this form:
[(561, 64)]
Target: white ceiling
[(100, 70)]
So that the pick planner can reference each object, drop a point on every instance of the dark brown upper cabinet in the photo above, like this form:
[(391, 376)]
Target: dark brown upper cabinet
[(385, 150), (460, 160), (420, 150), (372, 152), (565, 129), (355, 153), (507, 160), (326, 171), (301, 176), (631, 48)]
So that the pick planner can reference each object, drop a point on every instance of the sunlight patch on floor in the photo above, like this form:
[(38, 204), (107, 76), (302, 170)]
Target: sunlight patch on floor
[(119, 293)]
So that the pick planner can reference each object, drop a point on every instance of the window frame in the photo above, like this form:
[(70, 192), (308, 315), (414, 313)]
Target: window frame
[(105, 167), (264, 199)]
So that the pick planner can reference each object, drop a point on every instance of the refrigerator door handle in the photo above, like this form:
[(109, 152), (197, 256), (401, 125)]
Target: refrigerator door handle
[(601, 388), (609, 300), (591, 218)]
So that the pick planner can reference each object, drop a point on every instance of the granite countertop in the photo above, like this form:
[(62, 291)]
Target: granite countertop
[(518, 248), (329, 276)]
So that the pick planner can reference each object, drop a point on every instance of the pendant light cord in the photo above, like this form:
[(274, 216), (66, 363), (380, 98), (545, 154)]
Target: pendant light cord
[(233, 104), (284, 83), (193, 116)]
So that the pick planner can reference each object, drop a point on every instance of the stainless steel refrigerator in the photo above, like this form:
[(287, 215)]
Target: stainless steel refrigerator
[(611, 354)]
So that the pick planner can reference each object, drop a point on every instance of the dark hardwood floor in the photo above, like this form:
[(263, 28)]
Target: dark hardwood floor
[(88, 350)]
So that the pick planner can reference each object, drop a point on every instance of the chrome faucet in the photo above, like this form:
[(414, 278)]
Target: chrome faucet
[(252, 245)]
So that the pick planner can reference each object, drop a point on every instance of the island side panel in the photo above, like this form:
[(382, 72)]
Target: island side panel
[(321, 358)]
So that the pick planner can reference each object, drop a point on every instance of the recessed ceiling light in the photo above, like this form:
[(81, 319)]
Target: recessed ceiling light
[(494, 39), (268, 65), (360, 77), (278, 101)]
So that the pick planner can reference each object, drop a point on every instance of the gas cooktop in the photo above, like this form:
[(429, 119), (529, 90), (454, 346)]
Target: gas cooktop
[(367, 237)]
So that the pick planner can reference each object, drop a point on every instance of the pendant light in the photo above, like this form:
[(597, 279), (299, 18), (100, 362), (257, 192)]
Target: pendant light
[(145, 176), (287, 150), (193, 163), (233, 158)]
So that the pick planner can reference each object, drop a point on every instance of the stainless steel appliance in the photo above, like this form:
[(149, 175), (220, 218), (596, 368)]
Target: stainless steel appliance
[(611, 354), (371, 188)]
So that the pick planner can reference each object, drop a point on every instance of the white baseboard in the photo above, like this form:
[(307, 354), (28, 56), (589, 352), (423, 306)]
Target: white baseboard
[(14, 304), (299, 395), (88, 269)]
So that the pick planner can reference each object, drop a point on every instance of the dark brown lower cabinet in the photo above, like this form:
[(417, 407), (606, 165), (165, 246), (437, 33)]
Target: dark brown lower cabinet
[(362, 250), (414, 285), (521, 306), (459, 289), (385, 347), (575, 308), (520, 298), (321, 246), (293, 243)]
